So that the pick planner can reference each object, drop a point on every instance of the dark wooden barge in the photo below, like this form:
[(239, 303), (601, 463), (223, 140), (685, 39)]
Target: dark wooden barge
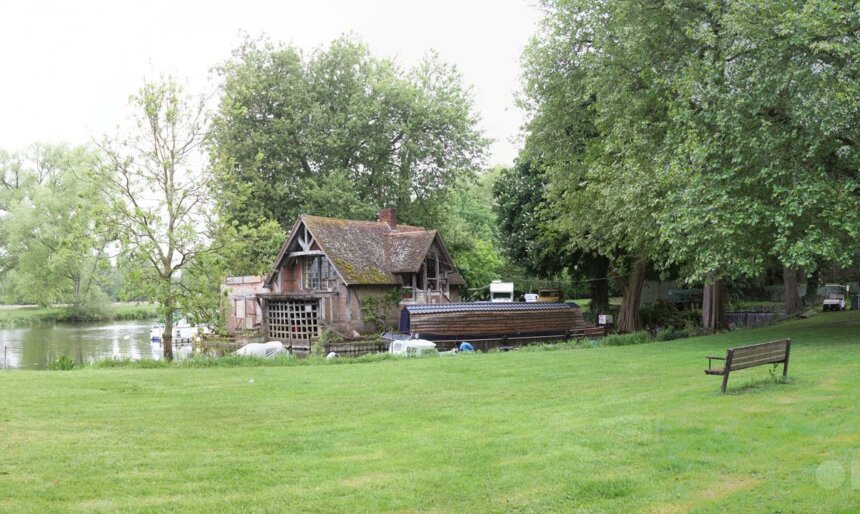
[(495, 324)]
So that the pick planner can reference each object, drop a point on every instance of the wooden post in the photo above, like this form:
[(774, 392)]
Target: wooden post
[(437, 273)]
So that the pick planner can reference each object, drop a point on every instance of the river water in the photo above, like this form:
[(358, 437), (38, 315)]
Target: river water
[(36, 347)]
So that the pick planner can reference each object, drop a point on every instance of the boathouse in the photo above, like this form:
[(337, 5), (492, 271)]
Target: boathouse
[(353, 277)]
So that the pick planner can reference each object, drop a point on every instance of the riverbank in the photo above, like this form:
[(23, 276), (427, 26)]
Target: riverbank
[(26, 315)]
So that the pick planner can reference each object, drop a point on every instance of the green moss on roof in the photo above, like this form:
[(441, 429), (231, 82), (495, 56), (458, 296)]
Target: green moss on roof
[(368, 276)]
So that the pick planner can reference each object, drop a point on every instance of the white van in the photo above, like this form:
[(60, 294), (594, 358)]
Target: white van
[(501, 292)]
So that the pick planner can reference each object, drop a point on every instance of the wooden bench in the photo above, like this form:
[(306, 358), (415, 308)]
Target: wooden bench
[(742, 357)]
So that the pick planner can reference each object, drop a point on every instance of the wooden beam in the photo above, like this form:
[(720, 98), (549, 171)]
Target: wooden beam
[(305, 253)]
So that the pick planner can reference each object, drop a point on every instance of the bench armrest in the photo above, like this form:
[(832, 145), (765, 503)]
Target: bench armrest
[(711, 358)]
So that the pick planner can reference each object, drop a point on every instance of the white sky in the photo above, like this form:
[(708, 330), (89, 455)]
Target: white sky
[(69, 66)]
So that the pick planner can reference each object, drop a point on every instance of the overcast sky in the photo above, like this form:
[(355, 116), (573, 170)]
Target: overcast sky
[(69, 66)]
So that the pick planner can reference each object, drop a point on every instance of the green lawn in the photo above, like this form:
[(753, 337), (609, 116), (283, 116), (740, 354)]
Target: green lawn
[(610, 429)]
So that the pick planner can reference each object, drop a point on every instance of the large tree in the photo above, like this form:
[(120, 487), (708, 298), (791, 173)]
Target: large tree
[(291, 126), (160, 187), (765, 137), (712, 137), (594, 89), (55, 235), (531, 238)]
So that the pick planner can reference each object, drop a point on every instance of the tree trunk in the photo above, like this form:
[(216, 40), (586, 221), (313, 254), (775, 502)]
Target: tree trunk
[(714, 307), (167, 337), (792, 295), (600, 286), (811, 289), (629, 319)]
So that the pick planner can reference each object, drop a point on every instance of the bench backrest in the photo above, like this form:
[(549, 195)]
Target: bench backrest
[(757, 354)]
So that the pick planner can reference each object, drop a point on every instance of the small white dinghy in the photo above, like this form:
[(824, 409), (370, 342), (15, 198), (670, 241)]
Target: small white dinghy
[(267, 350)]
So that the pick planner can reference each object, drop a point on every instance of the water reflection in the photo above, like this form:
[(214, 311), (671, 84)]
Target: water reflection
[(36, 347)]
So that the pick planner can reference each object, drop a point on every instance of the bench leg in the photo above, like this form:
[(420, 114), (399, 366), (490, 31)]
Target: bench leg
[(725, 382)]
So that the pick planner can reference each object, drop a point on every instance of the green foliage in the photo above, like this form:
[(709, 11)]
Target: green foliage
[(24, 316), (468, 224), (130, 363), (573, 344), (93, 307), (376, 309), (712, 138), (160, 199), (480, 263), (245, 249), (338, 132), (671, 333), (519, 195), (64, 363), (335, 195), (327, 336), (626, 339), (662, 313), (54, 233)]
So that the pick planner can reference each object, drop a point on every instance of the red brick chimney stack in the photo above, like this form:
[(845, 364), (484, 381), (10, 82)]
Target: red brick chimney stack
[(388, 216)]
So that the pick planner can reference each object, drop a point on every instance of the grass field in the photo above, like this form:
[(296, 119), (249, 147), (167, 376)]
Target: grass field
[(610, 429)]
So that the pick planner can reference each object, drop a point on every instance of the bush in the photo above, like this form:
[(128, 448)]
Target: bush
[(570, 344), (626, 339), (671, 333), (93, 306), (661, 313), (64, 363)]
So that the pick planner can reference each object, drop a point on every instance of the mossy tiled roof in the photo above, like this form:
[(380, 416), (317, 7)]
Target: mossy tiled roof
[(369, 252)]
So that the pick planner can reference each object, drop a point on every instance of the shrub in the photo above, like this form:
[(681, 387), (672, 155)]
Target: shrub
[(671, 333), (64, 363), (561, 345), (327, 337), (662, 313), (626, 339)]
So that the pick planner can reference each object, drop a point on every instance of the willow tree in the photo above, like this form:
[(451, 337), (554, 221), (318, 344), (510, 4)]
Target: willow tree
[(53, 231), (160, 193)]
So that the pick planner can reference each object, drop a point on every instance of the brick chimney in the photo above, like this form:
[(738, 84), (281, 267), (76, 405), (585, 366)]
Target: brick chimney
[(388, 216)]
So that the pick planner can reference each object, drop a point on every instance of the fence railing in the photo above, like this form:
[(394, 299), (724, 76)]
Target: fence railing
[(355, 348)]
